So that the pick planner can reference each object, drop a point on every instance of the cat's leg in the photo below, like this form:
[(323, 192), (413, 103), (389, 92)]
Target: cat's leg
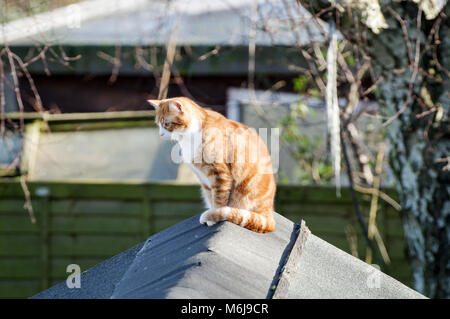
[(221, 189), (261, 222), (221, 183)]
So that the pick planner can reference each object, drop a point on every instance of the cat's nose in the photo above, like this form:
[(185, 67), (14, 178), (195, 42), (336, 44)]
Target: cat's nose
[(161, 134)]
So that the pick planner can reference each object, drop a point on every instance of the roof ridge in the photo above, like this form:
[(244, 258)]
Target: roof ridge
[(288, 269)]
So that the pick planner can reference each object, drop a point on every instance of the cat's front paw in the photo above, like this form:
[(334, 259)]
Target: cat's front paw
[(208, 218)]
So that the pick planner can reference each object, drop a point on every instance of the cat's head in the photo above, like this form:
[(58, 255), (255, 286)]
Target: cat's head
[(172, 117)]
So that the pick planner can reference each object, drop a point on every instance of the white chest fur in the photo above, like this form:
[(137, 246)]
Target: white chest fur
[(201, 176), (191, 150), (190, 142), (190, 153), (190, 147)]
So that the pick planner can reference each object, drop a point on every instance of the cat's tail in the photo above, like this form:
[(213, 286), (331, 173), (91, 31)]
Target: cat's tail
[(258, 222)]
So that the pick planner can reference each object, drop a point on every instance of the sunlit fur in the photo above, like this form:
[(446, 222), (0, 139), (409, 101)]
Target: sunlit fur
[(236, 186)]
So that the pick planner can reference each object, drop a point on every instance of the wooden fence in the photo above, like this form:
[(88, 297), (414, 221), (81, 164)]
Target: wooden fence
[(86, 223)]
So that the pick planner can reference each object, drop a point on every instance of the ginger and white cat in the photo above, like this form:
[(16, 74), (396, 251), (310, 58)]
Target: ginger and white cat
[(230, 160)]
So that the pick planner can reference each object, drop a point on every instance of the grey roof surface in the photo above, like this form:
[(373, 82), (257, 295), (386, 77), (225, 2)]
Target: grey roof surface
[(325, 271), (144, 22), (97, 282), (190, 260), (199, 262)]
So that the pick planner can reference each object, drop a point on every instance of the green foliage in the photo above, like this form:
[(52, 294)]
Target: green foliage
[(283, 178), (314, 167), (300, 83), (324, 169), (324, 53), (314, 92), (350, 60)]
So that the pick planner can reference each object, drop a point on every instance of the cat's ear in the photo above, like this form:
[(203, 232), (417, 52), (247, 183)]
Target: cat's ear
[(176, 106), (154, 103)]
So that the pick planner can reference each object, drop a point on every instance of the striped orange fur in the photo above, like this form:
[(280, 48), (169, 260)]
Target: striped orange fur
[(230, 160)]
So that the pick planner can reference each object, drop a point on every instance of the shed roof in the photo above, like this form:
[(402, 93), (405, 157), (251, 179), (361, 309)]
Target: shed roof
[(190, 260), (151, 22)]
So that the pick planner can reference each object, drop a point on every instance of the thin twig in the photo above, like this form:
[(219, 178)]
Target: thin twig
[(165, 77), (2, 98), (415, 64), (374, 205), (404, 30), (381, 246), (352, 239), (28, 205), (379, 193), (355, 199), (210, 53), (117, 63), (38, 105), (16, 86)]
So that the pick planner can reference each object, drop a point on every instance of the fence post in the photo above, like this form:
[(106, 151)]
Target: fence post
[(147, 222), (43, 193)]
